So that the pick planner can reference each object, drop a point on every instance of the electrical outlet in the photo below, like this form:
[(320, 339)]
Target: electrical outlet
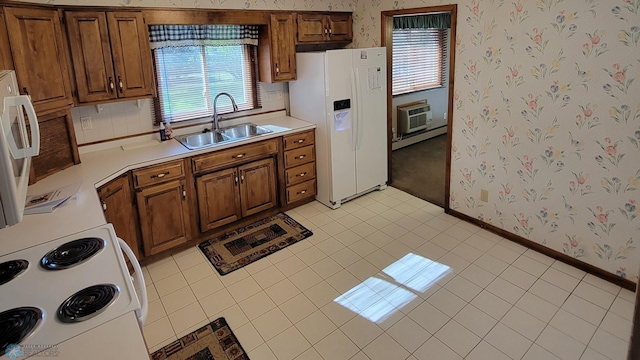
[(484, 195), (85, 122), (445, 115)]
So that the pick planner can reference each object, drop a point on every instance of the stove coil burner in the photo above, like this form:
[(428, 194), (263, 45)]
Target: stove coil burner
[(87, 303), (10, 270), (72, 253), (16, 324)]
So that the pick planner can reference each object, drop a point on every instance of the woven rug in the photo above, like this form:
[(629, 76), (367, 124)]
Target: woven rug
[(214, 341), (247, 244)]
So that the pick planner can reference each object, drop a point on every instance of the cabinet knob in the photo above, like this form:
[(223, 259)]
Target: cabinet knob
[(104, 206), (302, 174), (111, 84), (277, 69), (120, 83), (239, 156), (301, 192), (299, 141), (300, 157)]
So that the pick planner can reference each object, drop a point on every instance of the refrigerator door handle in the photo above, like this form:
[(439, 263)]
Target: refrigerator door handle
[(355, 112), (360, 125)]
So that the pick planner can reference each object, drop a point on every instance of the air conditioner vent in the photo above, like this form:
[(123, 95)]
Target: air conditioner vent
[(414, 117)]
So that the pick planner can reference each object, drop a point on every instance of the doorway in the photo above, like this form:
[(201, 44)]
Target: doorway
[(422, 157)]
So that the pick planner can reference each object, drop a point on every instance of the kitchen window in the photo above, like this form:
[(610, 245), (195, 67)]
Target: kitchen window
[(194, 63), (419, 52)]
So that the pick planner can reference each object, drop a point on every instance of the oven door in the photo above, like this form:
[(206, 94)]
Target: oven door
[(15, 154)]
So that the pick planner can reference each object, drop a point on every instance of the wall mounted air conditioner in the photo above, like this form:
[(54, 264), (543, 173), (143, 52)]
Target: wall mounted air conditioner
[(414, 117)]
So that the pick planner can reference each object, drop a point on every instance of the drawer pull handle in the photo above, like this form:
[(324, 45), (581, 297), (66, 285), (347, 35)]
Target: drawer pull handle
[(299, 141), (301, 192), (302, 174), (239, 156), (300, 157), (160, 175)]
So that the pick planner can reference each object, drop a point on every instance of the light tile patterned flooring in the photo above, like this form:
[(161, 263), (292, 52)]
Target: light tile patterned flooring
[(389, 276)]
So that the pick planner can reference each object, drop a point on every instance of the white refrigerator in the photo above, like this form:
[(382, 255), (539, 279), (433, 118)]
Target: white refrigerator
[(343, 92)]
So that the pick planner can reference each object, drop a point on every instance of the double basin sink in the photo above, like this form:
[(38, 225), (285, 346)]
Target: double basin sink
[(224, 135)]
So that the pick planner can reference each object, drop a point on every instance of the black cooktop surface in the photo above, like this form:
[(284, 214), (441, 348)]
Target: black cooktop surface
[(87, 303), (72, 253), (16, 324), (10, 270)]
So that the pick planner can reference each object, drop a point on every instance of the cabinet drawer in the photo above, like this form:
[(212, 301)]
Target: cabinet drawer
[(230, 157), (299, 156), (298, 140), (300, 173), (158, 173), (301, 191)]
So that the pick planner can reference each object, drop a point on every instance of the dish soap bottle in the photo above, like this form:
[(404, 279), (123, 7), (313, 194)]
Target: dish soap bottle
[(168, 131), (163, 134)]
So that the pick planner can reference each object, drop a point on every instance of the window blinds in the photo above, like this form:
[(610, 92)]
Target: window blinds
[(419, 57)]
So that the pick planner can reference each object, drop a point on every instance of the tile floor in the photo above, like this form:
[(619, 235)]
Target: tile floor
[(389, 276)]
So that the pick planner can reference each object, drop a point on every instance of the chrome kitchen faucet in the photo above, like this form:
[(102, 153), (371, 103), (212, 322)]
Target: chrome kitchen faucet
[(216, 117)]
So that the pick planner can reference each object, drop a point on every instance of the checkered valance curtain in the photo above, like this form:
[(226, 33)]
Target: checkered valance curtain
[(423, 21), (162, 36)]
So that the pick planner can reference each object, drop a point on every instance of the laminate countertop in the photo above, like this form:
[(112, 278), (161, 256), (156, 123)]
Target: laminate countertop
[(99, 167)]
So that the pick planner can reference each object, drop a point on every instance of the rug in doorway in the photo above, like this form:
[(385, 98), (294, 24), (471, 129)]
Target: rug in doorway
[(214, 341), (241, 247)]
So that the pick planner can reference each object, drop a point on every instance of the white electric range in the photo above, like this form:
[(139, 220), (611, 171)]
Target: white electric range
[(54, 291)]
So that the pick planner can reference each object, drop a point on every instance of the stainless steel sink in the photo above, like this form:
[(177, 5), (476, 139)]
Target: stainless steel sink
[(237, 132), (200, 140), (244, 131)]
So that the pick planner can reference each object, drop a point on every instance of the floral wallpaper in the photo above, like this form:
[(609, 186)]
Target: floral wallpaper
[(546, 115), (547, 119)]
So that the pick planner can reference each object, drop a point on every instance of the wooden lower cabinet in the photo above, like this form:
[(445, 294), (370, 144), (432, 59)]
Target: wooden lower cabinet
[(117, 203), (164, 216), (227, 195), (258, 186), (218, 198)]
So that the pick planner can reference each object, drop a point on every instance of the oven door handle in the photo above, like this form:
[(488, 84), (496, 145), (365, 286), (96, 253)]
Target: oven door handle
[(144, 303)]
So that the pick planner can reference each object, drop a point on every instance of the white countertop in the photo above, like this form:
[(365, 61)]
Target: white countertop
[(99, 167)]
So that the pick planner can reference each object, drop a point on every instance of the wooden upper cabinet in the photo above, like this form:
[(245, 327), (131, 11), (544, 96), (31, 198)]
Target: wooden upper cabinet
[(111, 55), (6, 61), (131, 54), (39, 57), (277, 52), (315, 28)]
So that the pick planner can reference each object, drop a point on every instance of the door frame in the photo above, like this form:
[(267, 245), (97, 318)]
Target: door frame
[(386, 27)]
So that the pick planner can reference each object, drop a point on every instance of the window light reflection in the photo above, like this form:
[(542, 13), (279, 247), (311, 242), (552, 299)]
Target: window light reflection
[(381, 295)]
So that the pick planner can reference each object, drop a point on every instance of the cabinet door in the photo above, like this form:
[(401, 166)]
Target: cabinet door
[(58, 147), (283, 47), (39, 57), (131, 54), (164, 216), (117, 202), (6, 61), (340, 27), (218, 198), (312, 28), (257, 186), (91, 55)]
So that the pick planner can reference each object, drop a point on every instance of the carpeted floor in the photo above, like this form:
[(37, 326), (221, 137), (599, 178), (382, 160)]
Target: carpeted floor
[(419, 169)]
